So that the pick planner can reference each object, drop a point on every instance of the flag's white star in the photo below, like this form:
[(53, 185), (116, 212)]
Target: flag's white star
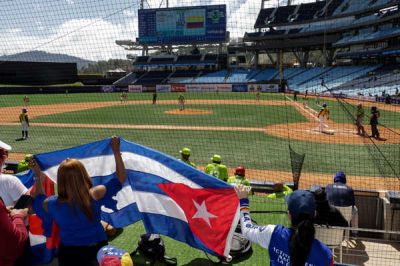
[(202, 212)]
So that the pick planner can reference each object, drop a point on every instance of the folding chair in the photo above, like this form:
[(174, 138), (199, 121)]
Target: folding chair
[(331, 237), (347, 213)]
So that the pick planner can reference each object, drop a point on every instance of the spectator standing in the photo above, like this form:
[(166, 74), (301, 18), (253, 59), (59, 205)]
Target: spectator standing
[(287, 246), (217, 169), (11, 188), (81, 232), (14, 236)]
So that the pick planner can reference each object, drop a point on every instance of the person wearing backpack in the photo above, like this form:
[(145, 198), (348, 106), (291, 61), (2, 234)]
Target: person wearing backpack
[(294, 246)]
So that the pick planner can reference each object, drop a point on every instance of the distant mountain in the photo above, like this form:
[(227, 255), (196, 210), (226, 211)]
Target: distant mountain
[(41, 56)]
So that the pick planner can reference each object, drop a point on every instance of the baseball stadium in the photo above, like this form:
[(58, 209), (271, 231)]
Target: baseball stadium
[(282, 96)]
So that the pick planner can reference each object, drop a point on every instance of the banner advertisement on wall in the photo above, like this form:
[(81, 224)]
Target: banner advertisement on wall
[(201, 88), (209, 87), (223, 87), (135, 88), (263, 87), (148, 88), (178, 88), (239, 87), (107, 88), (163, 88)]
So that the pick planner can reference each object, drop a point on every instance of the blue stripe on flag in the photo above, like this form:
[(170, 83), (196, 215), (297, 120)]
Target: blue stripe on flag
[(174, 228)]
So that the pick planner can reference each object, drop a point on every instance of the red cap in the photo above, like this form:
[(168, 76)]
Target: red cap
[(240, 171)]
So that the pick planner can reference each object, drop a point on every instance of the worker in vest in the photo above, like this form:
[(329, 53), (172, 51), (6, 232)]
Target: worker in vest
[(185, 153), (280, 191), (217, 169), (239, 177)]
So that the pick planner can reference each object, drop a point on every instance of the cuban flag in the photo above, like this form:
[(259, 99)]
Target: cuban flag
[(44, 245), (169, 196)]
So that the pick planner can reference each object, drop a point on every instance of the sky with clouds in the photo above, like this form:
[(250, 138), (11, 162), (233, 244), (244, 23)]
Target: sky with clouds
[(89, 28)]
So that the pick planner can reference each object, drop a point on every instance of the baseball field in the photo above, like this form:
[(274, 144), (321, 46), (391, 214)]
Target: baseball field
[(243, 130)]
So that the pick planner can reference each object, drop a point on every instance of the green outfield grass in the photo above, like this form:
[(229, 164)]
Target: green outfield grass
[(39, 99), (222, 115), (253, 149)]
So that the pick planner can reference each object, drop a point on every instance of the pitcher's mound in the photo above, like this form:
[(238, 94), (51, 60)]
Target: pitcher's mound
[(188, 112)]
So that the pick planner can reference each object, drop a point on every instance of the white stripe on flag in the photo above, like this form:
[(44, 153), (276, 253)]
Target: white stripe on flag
[(36, 239), (105, 165), (124, 198), (159, 204)]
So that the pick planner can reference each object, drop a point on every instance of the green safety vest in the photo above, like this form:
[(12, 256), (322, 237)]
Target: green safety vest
[(217, 170), (238, 180), (286, 191), (188, 162)]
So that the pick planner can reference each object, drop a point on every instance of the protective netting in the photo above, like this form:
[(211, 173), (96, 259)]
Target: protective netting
[(256, 99)]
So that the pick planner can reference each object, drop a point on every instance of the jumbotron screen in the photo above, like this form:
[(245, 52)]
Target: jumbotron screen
[(182, 25)]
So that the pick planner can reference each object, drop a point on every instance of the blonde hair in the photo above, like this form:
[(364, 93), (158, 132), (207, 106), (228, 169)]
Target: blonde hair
[(74, 186)]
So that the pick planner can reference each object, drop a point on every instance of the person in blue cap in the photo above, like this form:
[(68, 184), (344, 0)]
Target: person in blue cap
[(341, 195), (287, 246)]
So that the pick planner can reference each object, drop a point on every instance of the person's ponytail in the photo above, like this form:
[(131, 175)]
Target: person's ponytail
[(301, 240)]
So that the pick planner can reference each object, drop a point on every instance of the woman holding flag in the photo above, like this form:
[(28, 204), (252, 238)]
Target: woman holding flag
[(76, 209)]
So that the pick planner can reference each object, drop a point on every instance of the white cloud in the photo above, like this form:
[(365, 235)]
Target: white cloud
[(94, 38), (87, 38)]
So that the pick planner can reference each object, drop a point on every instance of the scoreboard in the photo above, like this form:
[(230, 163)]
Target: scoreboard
[(182, 25)]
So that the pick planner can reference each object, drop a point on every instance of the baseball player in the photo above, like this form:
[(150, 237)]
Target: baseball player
[(360, 114), (23, 118), (26, 101), (181, 102), (185, 153), (323, 115), (217, 169)]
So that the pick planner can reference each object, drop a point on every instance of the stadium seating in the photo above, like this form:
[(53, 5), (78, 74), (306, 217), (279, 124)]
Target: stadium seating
[(153, 77), (264, 75), (189, 59), (282, 14), (263, 17), (295, 81), (214, 77), (239, 75), (307, 11)]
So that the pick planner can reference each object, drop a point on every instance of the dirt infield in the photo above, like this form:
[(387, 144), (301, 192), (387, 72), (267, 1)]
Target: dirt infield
[(188, 112), (344, 134), (306, 180)]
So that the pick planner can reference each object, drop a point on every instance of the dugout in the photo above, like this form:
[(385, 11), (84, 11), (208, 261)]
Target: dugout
[(37, 73)]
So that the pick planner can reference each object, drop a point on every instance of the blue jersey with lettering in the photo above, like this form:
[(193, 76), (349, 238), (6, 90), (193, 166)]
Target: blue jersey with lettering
[(278, 249)]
